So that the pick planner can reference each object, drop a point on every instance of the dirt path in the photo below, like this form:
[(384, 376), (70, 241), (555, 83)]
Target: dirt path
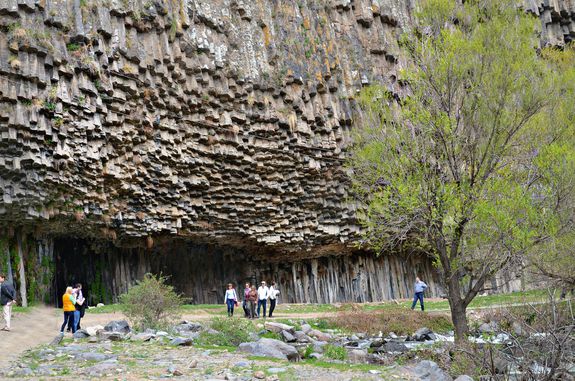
[(36, 327)]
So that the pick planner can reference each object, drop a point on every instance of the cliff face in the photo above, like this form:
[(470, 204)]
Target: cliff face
[(220, 122)]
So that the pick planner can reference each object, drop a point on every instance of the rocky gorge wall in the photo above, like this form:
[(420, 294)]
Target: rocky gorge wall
[(222, 123)]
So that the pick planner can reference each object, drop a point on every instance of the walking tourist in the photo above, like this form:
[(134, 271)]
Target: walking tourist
[(80, 305), (7, 299), (273, 293), (253, 299), (246, 302), (419, 287), (231, 299), (68, 301), (262, 297)]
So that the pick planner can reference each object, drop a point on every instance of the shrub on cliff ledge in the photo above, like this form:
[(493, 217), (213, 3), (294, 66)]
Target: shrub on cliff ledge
[(151, 303)]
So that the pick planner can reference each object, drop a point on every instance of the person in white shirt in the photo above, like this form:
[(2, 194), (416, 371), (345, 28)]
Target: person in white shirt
[(231, 299), (273, 294), (263, 293)]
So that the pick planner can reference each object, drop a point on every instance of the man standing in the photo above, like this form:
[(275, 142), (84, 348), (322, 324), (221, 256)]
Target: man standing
[(419, 287), (263, 293), (273, 293), (7, 299)]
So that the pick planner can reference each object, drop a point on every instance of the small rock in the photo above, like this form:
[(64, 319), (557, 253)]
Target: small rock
[(376, 343), (373, 371), (193, 364), (276, 370), (100, 305), (270, 348), (392, 335), (112, 336), (517, 328), (81, 334), (288, 337), (301, 337), (259, 375), (241, 364), (464, 377), (315, 355), (174, 371), (306, 328)]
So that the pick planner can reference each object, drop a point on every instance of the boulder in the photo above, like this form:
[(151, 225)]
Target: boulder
[(393, 347), (306, 328), (423, 334), (319, 335), (302, 337), (488, 328), (357, 356), (181, 341), (120, 326), (279, 327), (92, 331), (288, 337), (376, 343), (185, 326), (270, 348), (429, 371), (142, 337), (112, 336)]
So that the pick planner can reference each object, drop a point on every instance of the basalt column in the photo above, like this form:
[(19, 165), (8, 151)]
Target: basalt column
[(201, 271)]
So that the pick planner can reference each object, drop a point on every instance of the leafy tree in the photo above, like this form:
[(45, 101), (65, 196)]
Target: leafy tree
[(151, 303), (460, 167)]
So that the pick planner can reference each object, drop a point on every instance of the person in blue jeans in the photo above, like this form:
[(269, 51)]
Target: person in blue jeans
[(231, 299), (419, 287), (263, 294)]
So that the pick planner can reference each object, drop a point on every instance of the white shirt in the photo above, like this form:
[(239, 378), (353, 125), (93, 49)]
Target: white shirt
[(231, 294), (263, 292), (273, 293)]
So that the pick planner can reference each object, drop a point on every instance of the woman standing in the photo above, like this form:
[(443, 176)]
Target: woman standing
[(231, 299), (246, 302), (253, 299), (68, 301)]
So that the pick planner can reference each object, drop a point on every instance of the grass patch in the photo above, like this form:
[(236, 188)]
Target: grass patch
[(399, 322), (110, 308), (334, 352), (342, 366), (231, 332)]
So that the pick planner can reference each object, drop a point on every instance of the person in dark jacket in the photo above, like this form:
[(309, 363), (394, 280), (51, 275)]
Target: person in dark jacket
[(7, 299)]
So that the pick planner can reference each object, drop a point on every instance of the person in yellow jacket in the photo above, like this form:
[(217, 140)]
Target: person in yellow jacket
[(68, 302)]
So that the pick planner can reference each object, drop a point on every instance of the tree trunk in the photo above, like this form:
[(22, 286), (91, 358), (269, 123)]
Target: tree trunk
[(9, 276), (459, 318), (21, 272)]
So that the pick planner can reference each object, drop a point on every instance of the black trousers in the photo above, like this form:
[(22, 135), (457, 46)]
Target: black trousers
[(68, 319), (272, 306)]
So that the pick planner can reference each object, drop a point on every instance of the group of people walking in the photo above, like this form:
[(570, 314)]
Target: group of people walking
[(253, 297), (73, 304)]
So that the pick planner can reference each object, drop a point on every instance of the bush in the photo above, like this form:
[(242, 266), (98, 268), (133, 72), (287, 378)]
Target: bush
[(151, 303), (231, 332), (334, 352)]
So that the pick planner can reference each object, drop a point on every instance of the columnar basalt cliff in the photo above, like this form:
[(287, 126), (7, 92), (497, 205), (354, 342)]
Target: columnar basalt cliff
[(160, 127)]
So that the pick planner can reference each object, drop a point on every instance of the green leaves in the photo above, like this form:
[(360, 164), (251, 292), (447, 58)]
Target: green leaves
[(479, 158)]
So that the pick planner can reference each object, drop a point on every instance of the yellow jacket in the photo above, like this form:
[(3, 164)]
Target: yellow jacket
[(68, 302)]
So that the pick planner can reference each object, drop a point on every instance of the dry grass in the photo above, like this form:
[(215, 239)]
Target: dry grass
[(400, 322)]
